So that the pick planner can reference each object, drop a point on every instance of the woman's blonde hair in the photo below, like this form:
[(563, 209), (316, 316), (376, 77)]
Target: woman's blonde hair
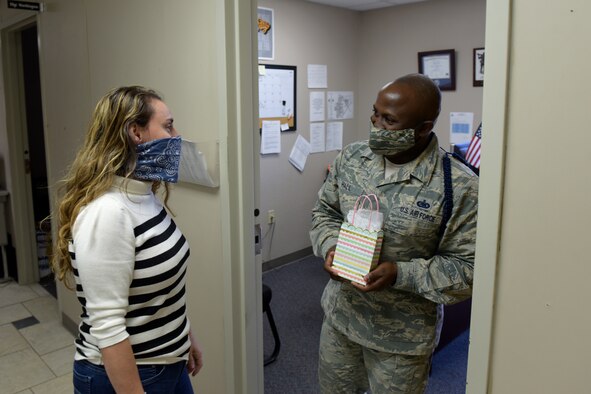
[(107, 151)]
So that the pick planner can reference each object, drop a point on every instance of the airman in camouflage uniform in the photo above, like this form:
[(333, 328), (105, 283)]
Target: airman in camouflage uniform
[(382, 335)]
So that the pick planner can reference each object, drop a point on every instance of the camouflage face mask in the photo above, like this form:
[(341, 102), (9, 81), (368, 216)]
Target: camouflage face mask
[(389, 142)]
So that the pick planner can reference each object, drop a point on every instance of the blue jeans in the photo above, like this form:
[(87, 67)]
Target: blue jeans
[(156, 379)]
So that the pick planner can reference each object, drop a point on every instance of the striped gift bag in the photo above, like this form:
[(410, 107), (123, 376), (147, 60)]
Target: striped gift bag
[(358, 248)]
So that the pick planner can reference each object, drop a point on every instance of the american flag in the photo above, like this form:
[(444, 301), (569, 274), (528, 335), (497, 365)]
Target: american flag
[(473, 153)]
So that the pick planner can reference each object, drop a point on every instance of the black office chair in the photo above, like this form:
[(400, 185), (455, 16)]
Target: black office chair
[(267, 294)]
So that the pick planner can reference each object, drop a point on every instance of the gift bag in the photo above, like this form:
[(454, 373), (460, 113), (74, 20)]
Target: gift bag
[(360, 240)]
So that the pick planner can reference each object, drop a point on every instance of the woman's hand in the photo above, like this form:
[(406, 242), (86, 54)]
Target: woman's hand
[(121, 368), (195, 356)]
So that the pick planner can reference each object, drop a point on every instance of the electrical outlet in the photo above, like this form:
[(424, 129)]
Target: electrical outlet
[(271, 216)]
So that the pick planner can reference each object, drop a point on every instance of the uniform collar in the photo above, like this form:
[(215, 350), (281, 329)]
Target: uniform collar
[(421, 168), (131, 186)]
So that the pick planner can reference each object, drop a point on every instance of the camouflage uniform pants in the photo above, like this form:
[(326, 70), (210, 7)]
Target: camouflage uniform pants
[(347, 367)]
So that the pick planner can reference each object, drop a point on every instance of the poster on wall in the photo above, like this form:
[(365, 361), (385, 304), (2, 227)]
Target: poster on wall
[(334, 136), (265, 33), (317, 76), (271, 137), (317, 106), (460, 127), (340, 105), (317, 137), (299, 153)]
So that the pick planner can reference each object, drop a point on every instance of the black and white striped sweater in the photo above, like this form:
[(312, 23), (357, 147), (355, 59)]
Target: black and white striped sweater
[(129, 262)]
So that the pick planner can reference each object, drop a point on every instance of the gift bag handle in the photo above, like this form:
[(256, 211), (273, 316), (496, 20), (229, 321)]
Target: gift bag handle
[(366, 197)]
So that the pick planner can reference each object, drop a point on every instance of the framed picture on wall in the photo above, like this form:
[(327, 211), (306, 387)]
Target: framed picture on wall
[(266, 33), (478, 67), (440, 66)]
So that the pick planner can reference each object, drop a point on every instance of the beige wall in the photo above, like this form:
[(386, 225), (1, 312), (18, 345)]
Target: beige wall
[(181, 49), (161, 47), (390, 39), (166, 48), (541, 341), (363, 51), (305, 34)]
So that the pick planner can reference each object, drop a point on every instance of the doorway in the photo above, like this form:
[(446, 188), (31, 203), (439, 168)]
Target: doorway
[(26, 165), (35, 160)]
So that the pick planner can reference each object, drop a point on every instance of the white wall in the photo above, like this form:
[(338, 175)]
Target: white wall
[(363, 51)]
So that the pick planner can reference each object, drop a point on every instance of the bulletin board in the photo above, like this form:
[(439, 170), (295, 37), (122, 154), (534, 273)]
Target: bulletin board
[(277, 95)]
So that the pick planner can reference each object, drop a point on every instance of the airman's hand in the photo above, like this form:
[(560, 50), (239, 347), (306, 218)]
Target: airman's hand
[(383, 276), (328, 266)]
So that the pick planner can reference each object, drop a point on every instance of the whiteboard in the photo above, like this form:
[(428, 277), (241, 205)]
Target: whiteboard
[(277, 95)]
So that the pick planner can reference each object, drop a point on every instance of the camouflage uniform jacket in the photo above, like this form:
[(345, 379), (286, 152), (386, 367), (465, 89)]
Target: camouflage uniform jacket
[(432, 270)]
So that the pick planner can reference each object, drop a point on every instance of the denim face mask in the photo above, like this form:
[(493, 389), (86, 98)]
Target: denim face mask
[(158, 160)]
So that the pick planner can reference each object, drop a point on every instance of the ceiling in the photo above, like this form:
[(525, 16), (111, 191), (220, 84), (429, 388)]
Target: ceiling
[(364, 5)]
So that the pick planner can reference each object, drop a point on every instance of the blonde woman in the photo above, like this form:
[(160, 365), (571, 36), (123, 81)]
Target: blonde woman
[(125, 253)]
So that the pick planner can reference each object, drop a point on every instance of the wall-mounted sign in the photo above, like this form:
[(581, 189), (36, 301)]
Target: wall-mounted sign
[(25, 5)]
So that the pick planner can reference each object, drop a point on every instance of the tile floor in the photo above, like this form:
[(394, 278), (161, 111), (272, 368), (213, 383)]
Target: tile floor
[(36, 351)]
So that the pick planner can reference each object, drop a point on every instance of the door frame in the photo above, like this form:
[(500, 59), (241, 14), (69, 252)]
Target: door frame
[(490, 197), (18, 181), (239, 195)]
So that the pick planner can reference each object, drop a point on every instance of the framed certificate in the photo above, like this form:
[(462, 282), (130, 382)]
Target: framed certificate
[(440, 66)]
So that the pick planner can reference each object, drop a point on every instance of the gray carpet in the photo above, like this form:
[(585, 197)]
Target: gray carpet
[(295, 305)]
